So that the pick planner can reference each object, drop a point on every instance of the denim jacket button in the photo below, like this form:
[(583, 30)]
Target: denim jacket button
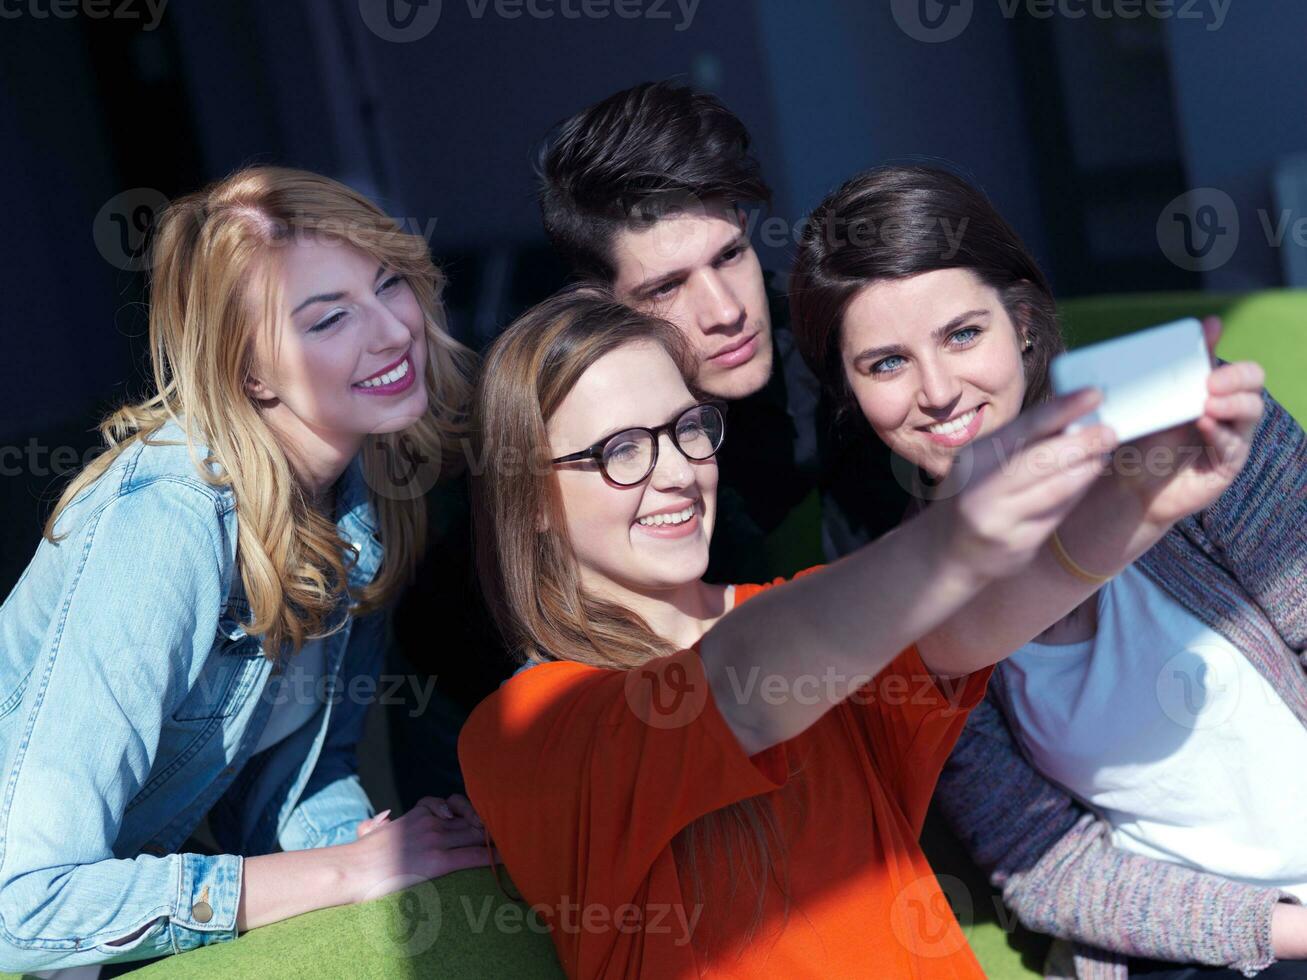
[(202, 911)]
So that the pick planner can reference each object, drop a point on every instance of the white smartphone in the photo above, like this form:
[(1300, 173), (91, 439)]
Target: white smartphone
[(1151, 380)]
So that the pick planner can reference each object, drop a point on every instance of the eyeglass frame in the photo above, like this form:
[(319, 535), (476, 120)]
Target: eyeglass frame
[(596, 451)]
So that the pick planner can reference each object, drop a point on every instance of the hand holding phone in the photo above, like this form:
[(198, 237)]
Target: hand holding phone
[(1151, 380)]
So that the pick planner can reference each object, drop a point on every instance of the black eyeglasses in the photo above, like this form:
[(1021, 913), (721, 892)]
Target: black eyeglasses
[(629, 456)]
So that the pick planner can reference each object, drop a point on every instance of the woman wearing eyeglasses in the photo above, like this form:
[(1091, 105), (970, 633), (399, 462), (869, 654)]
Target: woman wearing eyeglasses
[(688, 779)]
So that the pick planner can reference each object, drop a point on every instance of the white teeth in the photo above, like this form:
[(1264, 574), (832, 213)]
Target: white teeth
[(657, 520), (956, 426), (390, 377)]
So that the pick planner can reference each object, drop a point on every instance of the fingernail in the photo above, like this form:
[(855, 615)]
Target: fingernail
[(381, 816)]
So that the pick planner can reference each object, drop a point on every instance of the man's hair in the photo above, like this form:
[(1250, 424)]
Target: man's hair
[(633, 158)]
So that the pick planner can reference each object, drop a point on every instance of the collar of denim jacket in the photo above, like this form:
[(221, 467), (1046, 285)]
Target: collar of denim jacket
[(357, 520)]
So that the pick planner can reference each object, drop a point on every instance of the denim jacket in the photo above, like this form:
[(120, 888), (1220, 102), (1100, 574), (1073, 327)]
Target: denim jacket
[(130, 707)]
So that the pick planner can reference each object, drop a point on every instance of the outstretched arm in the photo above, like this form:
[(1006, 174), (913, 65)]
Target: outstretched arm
[(849, 620), (1149, 485)]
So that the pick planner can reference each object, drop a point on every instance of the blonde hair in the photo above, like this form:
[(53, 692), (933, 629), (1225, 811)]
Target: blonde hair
[(209, 247), (531, 579)]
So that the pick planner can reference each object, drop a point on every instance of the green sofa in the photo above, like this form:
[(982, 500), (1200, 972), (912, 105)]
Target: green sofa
[(463, 925)]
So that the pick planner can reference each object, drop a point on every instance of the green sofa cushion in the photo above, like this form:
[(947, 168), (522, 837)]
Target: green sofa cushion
[(1269, 327), (460, 925)]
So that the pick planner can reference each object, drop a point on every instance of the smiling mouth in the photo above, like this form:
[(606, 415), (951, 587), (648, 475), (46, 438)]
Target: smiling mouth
[(664, 520), (388, 375), (954, 426)]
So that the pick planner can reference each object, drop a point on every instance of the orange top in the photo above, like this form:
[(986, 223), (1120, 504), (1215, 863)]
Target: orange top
[(584, 775)]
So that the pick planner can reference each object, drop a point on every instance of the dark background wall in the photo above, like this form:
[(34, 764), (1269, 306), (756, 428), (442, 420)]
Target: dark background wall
[(1083, 129)]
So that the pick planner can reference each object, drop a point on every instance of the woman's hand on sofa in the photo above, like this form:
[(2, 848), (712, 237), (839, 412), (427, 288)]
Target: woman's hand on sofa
[(434, 838)]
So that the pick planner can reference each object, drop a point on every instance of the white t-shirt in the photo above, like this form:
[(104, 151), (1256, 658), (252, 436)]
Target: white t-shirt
[(1165, 728), (296, 693)]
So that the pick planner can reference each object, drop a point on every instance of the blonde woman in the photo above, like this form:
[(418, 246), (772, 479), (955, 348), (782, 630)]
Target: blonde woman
[(191, 633)]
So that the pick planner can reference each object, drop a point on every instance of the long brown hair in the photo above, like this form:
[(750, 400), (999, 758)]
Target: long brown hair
[(209, 247), (530, 576)]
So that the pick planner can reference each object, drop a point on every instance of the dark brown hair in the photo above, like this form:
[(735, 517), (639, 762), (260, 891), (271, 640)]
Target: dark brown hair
[(634, 158), (896, 222)]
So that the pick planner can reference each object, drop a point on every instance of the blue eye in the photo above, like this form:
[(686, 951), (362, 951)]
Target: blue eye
[(886, 365), (965, 336)]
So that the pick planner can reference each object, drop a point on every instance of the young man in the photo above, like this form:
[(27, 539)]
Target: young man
[(646, 192)]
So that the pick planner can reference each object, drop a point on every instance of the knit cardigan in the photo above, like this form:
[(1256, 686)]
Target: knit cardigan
[(1240, 566)]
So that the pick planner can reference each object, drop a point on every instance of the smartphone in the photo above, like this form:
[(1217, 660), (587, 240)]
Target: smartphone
[(1151, 380)]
